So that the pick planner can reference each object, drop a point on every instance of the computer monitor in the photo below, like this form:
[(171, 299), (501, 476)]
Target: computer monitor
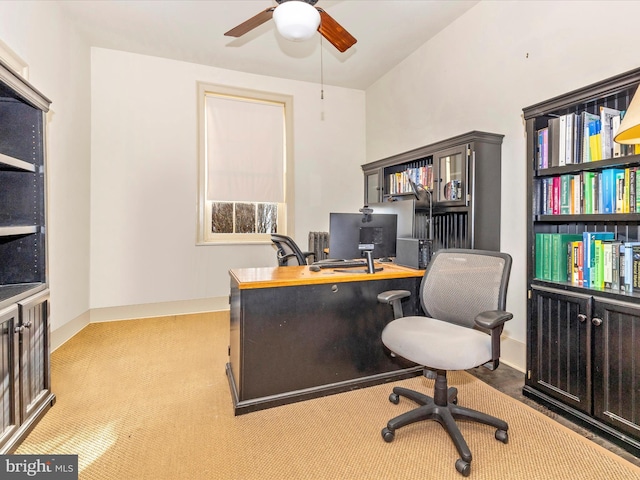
[(347, 231)]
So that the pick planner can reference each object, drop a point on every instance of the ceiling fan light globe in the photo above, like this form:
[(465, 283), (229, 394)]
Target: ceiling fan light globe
[(296, 21)]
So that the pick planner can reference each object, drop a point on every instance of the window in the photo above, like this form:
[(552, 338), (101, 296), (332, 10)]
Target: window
[(246, 168)]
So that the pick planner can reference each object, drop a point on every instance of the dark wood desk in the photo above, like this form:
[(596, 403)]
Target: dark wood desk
[(297, 334)]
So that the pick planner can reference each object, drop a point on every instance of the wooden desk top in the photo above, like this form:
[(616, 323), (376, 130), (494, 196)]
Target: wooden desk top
[(269, 277)]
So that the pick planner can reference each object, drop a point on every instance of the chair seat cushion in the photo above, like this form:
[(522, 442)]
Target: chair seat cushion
[(437, 344)]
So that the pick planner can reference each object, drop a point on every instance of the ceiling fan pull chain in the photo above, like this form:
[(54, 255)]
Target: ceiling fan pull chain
[(321, 72), (321, 83)]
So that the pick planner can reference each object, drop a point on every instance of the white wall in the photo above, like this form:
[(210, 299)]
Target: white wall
[(59, 67), (478, 74), (145, 169)]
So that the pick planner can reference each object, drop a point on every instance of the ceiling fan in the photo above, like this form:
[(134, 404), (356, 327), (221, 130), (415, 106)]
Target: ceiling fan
[(328, 27)]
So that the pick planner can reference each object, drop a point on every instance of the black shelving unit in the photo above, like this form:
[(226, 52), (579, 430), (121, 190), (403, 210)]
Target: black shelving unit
[(24, 296), (583, 343), (462, 209)]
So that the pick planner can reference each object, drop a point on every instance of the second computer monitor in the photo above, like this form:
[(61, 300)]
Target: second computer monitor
[(347, 231)]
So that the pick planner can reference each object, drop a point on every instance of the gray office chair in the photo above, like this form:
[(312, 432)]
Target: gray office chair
[(288, 252), (463, 295)]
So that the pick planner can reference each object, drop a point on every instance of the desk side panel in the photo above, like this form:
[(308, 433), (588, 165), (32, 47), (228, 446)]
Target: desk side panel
[(235, 319)]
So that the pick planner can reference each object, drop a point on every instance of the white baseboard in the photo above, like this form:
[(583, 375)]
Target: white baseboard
[(130, 312), (64, 333), (164, 309), (513, 353)]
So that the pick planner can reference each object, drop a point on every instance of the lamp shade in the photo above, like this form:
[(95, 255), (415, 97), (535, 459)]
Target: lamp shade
[(296, 20), (629, 130)]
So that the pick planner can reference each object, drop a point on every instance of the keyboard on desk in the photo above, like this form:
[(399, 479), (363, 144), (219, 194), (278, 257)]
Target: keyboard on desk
[(342, 264)]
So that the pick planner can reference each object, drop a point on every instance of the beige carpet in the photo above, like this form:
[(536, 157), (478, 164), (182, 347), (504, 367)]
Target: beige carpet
[(148, 399)]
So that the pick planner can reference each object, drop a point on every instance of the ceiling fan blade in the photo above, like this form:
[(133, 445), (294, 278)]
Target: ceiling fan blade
[(333, 31), (252, 23)]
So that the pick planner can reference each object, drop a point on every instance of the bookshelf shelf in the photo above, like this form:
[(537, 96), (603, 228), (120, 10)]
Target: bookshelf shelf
[(625, 161), (583, 326), (589, 218)]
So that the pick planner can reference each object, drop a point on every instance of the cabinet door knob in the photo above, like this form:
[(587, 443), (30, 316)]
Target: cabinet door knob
[(596, 321), (582, 317), (19, 329)]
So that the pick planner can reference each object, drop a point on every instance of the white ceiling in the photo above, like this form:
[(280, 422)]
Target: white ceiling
[(193, 31)]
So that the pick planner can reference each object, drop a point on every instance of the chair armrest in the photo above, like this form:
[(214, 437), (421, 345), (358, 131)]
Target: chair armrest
[(306, 255), (492, 318), (283, 259), (394, 298)]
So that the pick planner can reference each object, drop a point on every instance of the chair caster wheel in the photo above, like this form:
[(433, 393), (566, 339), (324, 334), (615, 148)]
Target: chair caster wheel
[(463, 467), (394, 398), (388, 435), (502, 435)]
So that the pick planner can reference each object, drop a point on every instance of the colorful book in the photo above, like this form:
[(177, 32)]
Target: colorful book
[(569, 138), (637, 195), (594, 152), (555, 199), (632, 189), (589, 265), (565, 194), (606, 119), (586, 118), (597, 265), (543, 147), (587, 180), (576, 262), (627, 283), (615, 265), (554, 141), (559, 255), (562, 141), (615, 125), (625, 206), (635, 267), (609, 190), (620, 191), (538, 269), (546, 256)]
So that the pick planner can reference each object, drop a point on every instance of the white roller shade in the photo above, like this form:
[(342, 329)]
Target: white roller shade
[(245, 150)]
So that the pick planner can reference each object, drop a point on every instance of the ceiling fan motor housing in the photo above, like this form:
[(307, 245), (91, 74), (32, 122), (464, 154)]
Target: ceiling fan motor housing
[(296, 20)]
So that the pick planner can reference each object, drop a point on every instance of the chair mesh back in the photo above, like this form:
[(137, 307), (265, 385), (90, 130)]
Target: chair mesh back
[(459, 284)]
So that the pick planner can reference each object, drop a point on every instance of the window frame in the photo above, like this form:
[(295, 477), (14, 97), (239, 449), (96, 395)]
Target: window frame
[(285, 209)]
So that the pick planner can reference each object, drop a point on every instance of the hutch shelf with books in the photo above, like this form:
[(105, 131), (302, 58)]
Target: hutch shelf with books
[(455, 187), (583, 272), (26, 394)]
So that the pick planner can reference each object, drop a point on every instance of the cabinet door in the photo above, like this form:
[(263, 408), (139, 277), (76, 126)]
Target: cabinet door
[(559, 335), (9, 399), (452, 176), (35, 378), (372, 187), (616, 377)]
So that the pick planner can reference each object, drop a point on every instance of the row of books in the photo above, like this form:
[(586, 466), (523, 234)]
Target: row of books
[(591, 259), (612, 190), (580, 138), (399, 182)]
